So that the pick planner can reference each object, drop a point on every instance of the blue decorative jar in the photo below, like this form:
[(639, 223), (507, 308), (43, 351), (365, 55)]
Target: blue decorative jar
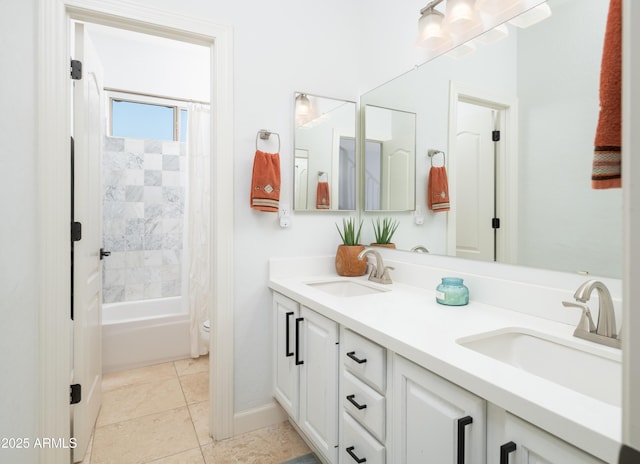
[(452, 292)]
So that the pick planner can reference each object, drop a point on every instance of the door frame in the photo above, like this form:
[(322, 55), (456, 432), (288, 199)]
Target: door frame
[(507, 171), (53, 129)]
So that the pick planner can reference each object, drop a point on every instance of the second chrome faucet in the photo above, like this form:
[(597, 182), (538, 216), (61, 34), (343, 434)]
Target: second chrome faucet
[(379, 272)]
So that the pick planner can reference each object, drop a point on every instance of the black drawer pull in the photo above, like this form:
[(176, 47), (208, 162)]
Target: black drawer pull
[(298, 360), (505, 450), (351, 400), (353, 455), (352, 355), (288, 353), (462, 423)]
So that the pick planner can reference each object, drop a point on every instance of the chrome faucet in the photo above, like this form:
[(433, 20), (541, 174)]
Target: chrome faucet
[(605, 331), (420, 249), (379, 272)]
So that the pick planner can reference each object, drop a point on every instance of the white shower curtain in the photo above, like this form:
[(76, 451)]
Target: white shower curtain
[(198, 285)]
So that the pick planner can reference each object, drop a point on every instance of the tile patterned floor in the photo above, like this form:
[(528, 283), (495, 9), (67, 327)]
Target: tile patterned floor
[(159, 414)]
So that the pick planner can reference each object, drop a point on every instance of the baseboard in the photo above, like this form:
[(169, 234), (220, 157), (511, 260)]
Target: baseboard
[(257, 418)]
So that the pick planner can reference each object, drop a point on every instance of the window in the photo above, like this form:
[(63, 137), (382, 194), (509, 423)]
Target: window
[(141, 117)]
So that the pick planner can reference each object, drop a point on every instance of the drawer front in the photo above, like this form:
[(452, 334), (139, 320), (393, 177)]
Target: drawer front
[(365, 359), (358, 444), (365, 404)]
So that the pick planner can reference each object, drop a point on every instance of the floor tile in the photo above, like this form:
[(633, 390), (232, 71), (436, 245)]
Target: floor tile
[(140, 400), (138, 376), (193, 456), (272, 445), (192, 366), (195, 387), (200, 417), (144, 439)]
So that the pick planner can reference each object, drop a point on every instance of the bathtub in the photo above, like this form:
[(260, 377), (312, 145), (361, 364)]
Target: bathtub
[(142, 333)]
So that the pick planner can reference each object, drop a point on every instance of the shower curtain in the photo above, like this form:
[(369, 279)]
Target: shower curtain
[(199, 223)]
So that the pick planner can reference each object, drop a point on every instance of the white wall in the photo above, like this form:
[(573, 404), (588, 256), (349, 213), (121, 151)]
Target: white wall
[(19, 388)]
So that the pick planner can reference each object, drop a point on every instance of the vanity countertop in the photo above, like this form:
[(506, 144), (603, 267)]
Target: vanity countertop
[(408, 321)]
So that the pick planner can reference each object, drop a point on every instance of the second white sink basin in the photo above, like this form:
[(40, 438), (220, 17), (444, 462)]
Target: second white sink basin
[(345, 288), (595, 372)]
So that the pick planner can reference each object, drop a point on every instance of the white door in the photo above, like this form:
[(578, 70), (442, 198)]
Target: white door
[(88, 123), (434, 419), (286, 371), (319, 382), (475, 181)]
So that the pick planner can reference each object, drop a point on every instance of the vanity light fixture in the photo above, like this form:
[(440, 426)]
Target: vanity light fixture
[(462, 18), (432, 34), (304, 110)]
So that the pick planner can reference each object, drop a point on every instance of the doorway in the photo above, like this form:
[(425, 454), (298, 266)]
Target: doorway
[(483, 175), (53, 99)]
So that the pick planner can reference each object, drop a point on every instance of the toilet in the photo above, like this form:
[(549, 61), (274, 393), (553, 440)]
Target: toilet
[(205, 329)]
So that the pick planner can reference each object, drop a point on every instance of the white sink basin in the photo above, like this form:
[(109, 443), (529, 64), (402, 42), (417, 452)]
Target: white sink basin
[(595, 372), (345, 288)]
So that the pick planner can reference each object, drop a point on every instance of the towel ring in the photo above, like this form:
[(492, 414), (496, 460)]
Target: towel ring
[(433, 153), (264, 134)]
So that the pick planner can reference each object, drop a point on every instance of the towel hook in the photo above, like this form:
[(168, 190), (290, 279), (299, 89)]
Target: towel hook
[(431, 152), (265, 134)]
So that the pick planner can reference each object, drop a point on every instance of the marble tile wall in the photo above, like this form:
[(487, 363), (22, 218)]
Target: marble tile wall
[(143, 209)]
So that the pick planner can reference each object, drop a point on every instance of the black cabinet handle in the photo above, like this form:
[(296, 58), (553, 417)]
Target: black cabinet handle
[(352, 355), (353, 455), (351, 400), (288, 353), (462, 423), (505, 450), (104, 254), (298, 360)]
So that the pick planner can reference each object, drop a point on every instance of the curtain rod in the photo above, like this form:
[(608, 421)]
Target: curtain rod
[(152, 95)]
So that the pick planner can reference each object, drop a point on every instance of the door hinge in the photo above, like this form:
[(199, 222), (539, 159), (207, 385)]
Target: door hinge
[(495, 223), (495, 136), (76, 70), (75, 393), (76, 231)]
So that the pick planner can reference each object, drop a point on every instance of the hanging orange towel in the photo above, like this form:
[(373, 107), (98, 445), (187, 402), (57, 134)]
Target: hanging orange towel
[(265, 182), (322, 195), (607, 172), (438, 189)]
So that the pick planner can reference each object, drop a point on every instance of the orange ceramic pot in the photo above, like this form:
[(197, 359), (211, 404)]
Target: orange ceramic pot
[(347, 262)]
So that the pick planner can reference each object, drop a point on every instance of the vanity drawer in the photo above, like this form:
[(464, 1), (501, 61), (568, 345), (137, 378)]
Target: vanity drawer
[(365, 404), (365, 359), (358, 444)]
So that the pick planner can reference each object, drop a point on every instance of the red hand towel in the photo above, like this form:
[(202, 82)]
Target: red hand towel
[(606, 172), (265, 182), (438, 190), (322, 196)]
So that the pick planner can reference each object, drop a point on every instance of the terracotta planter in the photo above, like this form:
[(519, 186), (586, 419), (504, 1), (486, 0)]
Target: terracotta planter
[(347, 262), (383, 245)]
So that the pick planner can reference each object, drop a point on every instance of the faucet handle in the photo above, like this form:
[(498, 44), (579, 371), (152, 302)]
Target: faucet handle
[(586, 321)]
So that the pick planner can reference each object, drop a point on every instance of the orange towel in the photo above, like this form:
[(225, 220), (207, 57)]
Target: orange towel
[(322, 196), (607, 172), (438, 190), (265, 182)]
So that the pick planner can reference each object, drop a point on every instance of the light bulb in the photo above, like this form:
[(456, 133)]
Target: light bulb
[(461, 17)]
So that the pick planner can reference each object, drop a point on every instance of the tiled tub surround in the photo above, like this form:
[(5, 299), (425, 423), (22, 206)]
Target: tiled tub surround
[(408, 322), (143, 208)]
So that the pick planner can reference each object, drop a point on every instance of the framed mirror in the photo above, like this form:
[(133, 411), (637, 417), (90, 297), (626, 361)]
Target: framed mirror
[(325, 153), (538, 86), (389, 159)]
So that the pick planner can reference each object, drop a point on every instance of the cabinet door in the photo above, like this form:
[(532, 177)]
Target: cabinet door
[(518, 442), (285, 371), (435, 421), (319, 382)]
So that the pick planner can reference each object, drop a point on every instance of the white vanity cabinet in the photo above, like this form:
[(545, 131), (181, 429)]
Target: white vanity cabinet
[(511, 440), (434, 420), (363, 398), (306, 372)]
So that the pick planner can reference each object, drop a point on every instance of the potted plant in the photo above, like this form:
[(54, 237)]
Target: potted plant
[(383, 231), (347, 262)]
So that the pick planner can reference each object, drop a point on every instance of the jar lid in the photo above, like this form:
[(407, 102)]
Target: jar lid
[(452, 280)]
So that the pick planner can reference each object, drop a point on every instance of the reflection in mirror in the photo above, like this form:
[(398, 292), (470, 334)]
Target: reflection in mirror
[(389, 159), (539, 86), (325, 154)]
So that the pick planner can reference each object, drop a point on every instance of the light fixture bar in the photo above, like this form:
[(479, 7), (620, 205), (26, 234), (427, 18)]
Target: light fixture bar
[(431, 5)]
